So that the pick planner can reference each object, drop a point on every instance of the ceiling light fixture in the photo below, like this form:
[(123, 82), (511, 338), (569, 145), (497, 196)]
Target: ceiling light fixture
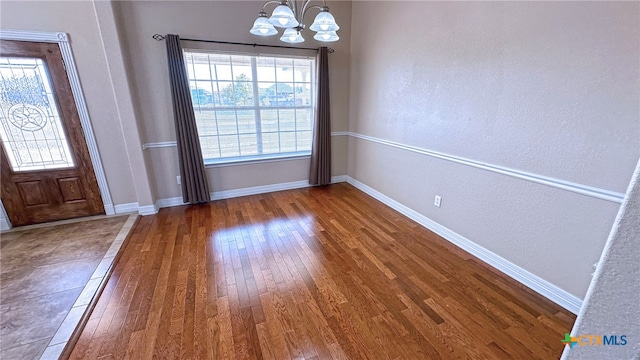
[(288, 15)]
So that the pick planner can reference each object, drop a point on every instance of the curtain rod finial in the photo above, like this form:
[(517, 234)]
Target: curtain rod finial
[(158, 37)]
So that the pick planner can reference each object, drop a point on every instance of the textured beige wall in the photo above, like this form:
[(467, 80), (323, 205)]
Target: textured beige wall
[(217, 20), (549, 88), (119, 76), (612, 305), (79, 21)]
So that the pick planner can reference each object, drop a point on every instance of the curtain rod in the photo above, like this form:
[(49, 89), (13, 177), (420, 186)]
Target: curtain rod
[(159, 37)]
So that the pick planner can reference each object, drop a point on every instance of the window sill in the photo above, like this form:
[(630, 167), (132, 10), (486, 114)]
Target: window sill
[(254, 160)]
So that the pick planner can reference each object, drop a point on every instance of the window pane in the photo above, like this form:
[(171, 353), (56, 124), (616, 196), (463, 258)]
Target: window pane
[(229, 146), (242, 67), (303, 140), (201, 93), (270, 143), (265, 93), (222, 67), (287, 141), (303, 94), (270, 94), (203, 85), (287, 120), (206, 122), (284, 94), (225, 92), (32, 132), (302, 71), (201, 71), (226, 120), (246, 121), (303, 119), (210, 147), (266, 69), (269, 120), (242, 93), (284, 70), (249, 144)]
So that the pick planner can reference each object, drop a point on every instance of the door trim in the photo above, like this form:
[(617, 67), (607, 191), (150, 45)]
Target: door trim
[(62, 39), (5, 224)]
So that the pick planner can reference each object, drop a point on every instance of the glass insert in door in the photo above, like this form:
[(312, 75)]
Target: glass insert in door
[(31, 131)]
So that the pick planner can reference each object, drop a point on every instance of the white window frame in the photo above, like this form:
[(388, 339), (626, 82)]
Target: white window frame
[(260, 158)]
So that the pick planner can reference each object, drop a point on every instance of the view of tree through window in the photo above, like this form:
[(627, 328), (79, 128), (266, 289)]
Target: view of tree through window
[(251, 106)]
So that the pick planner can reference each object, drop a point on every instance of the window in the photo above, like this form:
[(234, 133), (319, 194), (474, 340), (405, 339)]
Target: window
[(30, 125), (251, 107)]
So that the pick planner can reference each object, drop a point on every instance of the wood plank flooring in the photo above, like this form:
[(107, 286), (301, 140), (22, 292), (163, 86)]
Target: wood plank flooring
[(317, 273)]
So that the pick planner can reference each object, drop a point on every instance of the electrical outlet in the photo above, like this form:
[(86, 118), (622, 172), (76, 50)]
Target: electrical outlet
[(437, 200), (178, 179)]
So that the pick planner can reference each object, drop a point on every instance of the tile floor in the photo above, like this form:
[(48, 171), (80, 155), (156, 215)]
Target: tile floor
[(48, 275)]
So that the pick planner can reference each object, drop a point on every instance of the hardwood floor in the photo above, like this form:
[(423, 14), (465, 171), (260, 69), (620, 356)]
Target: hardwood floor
[(316, 273)]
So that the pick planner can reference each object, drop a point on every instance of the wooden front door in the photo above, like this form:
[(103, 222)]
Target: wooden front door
[(47, 173)]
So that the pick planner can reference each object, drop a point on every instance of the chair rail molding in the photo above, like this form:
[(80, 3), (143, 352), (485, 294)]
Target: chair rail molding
[(577, 188), (582, 189), (163, 144)]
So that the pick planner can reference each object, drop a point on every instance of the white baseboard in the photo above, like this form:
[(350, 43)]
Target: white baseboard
[(148, 210), (169, 202), (126, 208), (228, 194), (134, 207), (338, 179), (254, 190), (534, 282), (109, 209)]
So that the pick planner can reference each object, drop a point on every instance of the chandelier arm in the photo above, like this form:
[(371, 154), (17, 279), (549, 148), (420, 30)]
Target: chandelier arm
[(264, 7), (304, 11), (293, 5)]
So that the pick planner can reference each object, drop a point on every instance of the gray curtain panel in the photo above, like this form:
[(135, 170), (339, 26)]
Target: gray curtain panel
[(320, 172), (195, 188)]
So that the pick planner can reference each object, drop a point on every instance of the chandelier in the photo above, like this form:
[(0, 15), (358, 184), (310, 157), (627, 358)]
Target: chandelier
[(290, 16)]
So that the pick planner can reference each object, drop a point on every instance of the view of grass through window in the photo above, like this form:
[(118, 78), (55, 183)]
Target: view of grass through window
[(251, 106)]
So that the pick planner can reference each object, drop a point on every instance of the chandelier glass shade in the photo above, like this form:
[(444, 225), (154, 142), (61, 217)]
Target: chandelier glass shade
[(289, 14), (326, 36), (292, 36), (283, 17), (262, 26), (324, 21)]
